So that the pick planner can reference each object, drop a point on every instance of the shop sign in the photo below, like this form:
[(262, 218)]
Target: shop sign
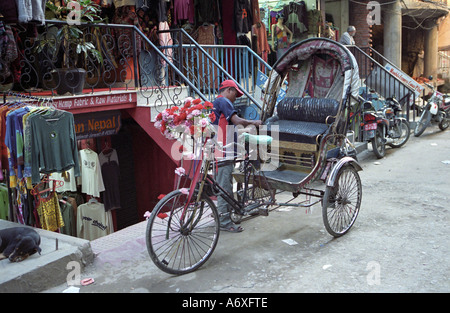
[(405, 79), (97, 124), (261, 80), (88, 101)]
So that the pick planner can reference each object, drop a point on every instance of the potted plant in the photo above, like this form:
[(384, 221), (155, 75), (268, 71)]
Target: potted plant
[(71, 39)]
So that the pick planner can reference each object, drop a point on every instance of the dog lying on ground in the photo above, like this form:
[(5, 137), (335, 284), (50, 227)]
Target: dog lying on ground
[(18, 243)]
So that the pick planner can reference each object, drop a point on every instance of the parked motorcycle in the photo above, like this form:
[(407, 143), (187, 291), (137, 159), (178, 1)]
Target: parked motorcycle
[(385, 126), (437, 110)]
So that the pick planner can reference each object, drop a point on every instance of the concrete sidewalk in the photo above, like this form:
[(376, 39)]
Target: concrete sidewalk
[(41, 272)]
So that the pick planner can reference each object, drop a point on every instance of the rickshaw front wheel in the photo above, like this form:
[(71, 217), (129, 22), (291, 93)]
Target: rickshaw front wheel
[(181, 237), (341, 202)]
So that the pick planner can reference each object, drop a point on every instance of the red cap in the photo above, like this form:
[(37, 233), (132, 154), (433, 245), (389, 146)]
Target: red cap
[(230, 83)]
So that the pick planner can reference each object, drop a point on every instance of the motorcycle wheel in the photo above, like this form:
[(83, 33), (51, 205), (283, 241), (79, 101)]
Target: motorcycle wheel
[(378, 145), (405, 131), (443, 125), (422, 124)]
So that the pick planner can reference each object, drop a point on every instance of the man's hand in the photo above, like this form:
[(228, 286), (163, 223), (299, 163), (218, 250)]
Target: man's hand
[(257, 123)]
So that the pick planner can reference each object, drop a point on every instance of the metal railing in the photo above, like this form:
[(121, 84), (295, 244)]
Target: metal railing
[(208, 65), (163, 72), (376, 77), (129, 61)]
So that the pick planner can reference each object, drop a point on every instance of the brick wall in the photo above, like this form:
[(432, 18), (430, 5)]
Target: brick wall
[(358, 18)]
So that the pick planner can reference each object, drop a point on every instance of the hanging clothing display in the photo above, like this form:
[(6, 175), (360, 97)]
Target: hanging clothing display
[(8, 8), (67, 213), (48, 210), (315, 22), (296, 19), (207, 11), (109, 163), (126, 14), (121, 3), (38, 140), (183, 10), (4, 202), (52, 142), (8, 50), (69, 179), (91, 175), (262, 44), (31, 11), (243, 17), (165, 39), (23, 11), (229, 33), (93, 221)]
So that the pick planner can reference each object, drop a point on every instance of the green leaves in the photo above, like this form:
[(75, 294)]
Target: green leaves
[(72, 36)]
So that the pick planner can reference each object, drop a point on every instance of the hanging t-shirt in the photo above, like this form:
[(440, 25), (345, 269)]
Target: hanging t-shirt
[(67, 213), (4, 202), (93, 221), (68, 177), (183, 10), (53, 144), (111, 173), (91, 175), (49, 212)]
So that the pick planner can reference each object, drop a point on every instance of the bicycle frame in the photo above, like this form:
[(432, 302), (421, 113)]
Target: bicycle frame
[(206, 163)]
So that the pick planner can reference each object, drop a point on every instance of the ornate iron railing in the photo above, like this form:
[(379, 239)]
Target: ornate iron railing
[(163, 70), (129, 61)]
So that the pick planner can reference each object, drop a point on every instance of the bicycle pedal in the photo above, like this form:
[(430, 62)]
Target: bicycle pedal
[(251, 207), (263, 211)]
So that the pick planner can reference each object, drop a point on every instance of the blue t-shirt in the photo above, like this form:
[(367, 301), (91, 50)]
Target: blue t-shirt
[(224, 110)]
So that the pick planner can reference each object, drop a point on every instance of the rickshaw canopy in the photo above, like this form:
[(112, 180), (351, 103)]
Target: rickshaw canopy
[(319, 68)]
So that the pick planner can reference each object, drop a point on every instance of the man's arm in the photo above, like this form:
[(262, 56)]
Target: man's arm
[(345, 39), (236, 120)]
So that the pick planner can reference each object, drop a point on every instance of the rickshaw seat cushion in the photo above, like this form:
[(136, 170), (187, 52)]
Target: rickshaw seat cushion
[(303, 119), (315, 110), (298, 131)]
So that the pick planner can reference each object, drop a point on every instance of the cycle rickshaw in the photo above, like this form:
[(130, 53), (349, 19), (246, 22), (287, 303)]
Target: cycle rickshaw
[(305, 133)]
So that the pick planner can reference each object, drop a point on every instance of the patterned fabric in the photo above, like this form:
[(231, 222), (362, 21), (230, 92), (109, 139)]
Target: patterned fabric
[(282, 41), (49, 212), (307, 48)]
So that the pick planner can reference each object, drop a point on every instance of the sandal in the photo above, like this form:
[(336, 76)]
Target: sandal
[(232, 228)]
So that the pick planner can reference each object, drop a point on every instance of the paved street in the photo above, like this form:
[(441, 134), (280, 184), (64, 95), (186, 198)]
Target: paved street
[(399, 242)]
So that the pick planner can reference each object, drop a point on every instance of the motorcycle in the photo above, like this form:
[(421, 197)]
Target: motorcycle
[(385, 126), (437, 110)]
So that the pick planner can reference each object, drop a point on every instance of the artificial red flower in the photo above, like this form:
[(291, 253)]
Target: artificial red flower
[(159, 117), (212, 117), (162, 215), (191, 129), (163, 128), (199, 107), (182, 116), (173, 109), (197, 101), (208, 105)]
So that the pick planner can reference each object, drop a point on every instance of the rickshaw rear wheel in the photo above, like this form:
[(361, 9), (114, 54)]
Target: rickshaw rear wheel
[(341, 202)]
